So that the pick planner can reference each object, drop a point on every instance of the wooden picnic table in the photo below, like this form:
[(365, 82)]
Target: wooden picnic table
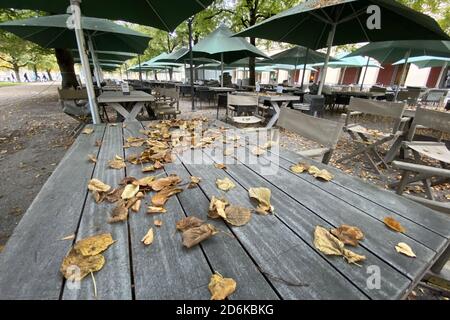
[(272, 257), (122, 103)]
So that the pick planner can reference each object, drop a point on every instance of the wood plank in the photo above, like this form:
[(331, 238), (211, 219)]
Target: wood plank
[(165, 269), (278, 250), (224, 253), (378, 239), (114, 280), (30, 262), (303, 222)]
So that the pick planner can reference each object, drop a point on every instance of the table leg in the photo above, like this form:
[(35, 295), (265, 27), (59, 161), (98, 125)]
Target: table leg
[(120, 109), (277, 110), (135, 111)]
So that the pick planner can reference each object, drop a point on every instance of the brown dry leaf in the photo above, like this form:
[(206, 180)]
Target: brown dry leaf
[(148, 238), (98, 143), (194, 182), (300, 167), (323, 175), (75, 266), (257, 151), (220, 166), (228, 152), (162, 196), (225, 184), (117, 157), (97, 185), (217, 208), (87, 131), (237, 216), (119, 213), (394, 224), (146, 181), (263, 196), (116, 164), (158, 165), (348, 234), (136, 206), (312, 170), (194, 236), (130, 191), (188, 223), (221, 287), (158, 223), (328, 244), (92, 158), (148, 169), (405, 249), (94, 245), (71, 237), (162, 183), (152, 209), (114, 195)]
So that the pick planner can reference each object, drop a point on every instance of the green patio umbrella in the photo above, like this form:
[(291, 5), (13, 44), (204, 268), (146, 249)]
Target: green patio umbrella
[(429, 62), (165, 15), (391, 51), (220, 45), (109, 55), (318, 24)]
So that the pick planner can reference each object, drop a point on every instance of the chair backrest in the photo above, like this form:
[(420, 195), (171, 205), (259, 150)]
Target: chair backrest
[(323, 131), (378, 89), (71, 94), (435, 95), (388, 109), (242, 100), (432, 119)]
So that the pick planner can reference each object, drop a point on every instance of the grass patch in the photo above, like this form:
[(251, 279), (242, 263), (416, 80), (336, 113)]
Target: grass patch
[(7, 84)]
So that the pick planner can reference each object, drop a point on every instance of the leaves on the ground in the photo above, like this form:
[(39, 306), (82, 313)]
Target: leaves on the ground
[(94, 245), (97, 185), (116, 164), (217, 207), (405, 249), (328, 244), (152, 209), (188, 223), (87, 131), (348, 234), (237, 216), (262, 195), (194, 182), (160, 198), (194, 236), (221, 287), (220, 166), (300, 167), (225, 184), (130, 191), (148, 238), (394, 224), (92, 158)]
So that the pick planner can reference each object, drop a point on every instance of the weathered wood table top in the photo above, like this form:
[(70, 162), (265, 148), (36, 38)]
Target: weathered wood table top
[(119, 97), (272, 257)]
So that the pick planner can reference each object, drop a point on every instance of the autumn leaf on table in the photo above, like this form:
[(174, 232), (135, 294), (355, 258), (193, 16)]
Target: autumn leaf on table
[(97, 185), (146, 181), (348, 234), (94, 245), (148, 169), (148, 238), (119, 213), (194, 236), (130, 191), (87, 131), (405, 249), (262, 195), (158, 223), (257, 151), (228, 151), (300, 167), (225, 184), (394, 224), (162, 183), (152, 209), (194, 182), (116, 164), (237, 216), (217, 207), (188, 223), (320, 174), (162, 196), (221, 287), (220, 166), (92, 158)]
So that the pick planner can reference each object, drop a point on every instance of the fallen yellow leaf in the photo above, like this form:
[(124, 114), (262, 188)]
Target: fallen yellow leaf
[(221, 287), (97, 185), (130, 191), (148, 238), (225, 184), (262, 195), (394, 224), (405, 249), (87, 131)]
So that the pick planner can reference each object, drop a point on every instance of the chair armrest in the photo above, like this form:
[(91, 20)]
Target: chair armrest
[(420, 168)]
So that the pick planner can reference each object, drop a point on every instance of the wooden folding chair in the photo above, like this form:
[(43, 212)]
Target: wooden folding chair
[(369, 141), (234, 105), (436, 150), (319, 130), (74, 104)]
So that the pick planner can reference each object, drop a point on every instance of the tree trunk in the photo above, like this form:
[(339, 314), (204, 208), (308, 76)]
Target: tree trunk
[(66, 66), (252, 66), (17, 72), (35, 72), (49, 74)]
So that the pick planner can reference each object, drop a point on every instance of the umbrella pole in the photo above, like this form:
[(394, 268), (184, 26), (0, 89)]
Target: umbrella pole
[(403, 77), (304, 68), (94, 62), (341, 80), (323, 74), (441, 74), (365, 72), (140, 69), (191, 62), (221, 69), (75, 8)]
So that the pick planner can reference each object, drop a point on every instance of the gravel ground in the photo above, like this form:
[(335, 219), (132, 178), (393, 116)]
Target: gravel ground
[(35, 135)]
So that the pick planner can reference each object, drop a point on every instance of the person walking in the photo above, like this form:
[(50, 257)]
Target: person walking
[(25, 76)]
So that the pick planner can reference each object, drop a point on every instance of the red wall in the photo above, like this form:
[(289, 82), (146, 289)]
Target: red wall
[(433, 77), (351, 75), (385, 75)]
